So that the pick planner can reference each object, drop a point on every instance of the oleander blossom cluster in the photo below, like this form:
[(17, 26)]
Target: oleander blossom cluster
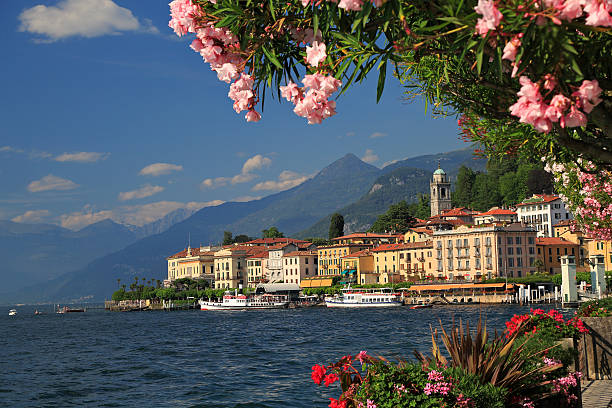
[(349, 5), (312, 102), (597, 12), (541, 111), (588, 192), (219, 48)]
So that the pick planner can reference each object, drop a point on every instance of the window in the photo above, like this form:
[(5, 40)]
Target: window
[(519, 250), (518, 240), (510, 251), (519, 261), (306, 262), (509, 240), (511, 262), (530, 240), (531, 251)]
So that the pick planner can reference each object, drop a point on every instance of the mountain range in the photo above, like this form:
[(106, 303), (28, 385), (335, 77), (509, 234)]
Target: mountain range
[(350, 186)]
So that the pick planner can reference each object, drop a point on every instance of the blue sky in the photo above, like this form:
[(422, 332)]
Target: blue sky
[(107, 114)]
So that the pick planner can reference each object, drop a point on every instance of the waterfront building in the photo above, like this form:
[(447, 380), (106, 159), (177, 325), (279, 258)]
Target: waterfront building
[(603, 248), (567, 230), (298, 265), (230, 266), (329, 256), (387, 262), (194, 263), (418, 234), (417, 260), (275, 260), (371, 238), (440, 192), (491, 251), (551, 249), (543, 211), (495, 215), (360, 264), (257, 267)]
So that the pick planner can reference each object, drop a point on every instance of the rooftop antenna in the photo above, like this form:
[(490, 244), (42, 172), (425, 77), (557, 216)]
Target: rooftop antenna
[(189, 242)]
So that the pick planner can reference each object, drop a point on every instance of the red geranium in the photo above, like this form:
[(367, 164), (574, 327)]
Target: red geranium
[(318, 372)]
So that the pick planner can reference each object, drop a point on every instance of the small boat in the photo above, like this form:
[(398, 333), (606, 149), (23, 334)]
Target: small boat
[(421, 306), (244, 302), (13, 312), (37, 313), (383, 297), (67, 309)]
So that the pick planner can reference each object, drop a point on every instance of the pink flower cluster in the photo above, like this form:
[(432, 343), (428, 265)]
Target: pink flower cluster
[(439, 385), (564, 386), (592, 204), (598, 11), (550, 361), (316, 53), (182, 14), (313, 104), (491, 16), (532, 109), (350, 5)]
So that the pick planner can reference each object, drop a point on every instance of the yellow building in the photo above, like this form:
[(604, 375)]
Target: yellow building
[(194, 263), (231, 267), (417, 260), (596, 247), (329, 256), (566, 230), (550, 250), (361, 265), (418, 234)]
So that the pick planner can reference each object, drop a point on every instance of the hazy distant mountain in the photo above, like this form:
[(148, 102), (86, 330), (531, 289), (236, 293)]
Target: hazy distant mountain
[(341, 182), (33, 253), (403, 180), (163, 223)]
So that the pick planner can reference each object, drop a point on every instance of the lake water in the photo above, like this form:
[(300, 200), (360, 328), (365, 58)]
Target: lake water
[(202, 358)]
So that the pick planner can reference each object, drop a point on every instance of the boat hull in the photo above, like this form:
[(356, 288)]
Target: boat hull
[(332, 303), (220, 306)]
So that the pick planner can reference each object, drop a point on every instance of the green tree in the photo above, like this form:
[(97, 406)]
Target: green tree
[(422, 207), (318, 241), (241, 238), (539, 181), (397, 218), (227, 238), (486, 192), (336, 226), (462, 196), (272, 232)]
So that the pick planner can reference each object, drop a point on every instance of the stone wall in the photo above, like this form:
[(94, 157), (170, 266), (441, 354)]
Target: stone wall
[(595, 348)]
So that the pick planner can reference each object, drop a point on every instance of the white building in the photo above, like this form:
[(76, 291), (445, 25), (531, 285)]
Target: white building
[(496, 215), (298, 265), (542, 211), (440, 192), (275, 261)]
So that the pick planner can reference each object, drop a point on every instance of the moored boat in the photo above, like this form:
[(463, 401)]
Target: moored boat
[(13, 312), (244, 302), (67, 309), (421, 306), (382, 297)]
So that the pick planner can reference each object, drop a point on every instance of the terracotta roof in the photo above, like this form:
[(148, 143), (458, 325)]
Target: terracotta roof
[(269, 241), (564, 223), (194, 252), (539, 199), (553, 241), (407, 245), (279, 246), (422, 230), (457, 212), (301, 253), (343, 246), (497, 211), (364, 235), (304, 244), (258, 253)]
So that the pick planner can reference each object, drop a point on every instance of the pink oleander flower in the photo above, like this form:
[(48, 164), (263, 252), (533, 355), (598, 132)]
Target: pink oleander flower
[(550, 82), (570, 9), (588, 95), (557, 107), (490, 16), (378, 3), (598, 13), (511, 48), (316, 53), (575, 118), (227, 72), (290, 92), (252, 116), (370, 404), (529, 90), (351, 5), (361, 356), (181, 16)]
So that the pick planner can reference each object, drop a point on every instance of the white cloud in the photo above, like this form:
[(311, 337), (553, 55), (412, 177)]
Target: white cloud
[(78, 220), (142, 192), (81, 157), (10, 149), (51, 182), (286, 180), (244, 199), (83, 18), (32, 216), (255, 163), (369, 156), (138, 215), (159, 169), (377, 135)]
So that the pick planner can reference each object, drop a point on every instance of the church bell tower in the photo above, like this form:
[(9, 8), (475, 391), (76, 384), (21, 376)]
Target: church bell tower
[(440, 190)]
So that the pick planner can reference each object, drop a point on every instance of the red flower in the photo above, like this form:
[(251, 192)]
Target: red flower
[(318, 372), (334, 403), (330, 379)]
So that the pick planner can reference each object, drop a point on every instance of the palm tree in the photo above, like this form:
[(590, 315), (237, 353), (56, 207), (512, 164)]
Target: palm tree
[(119, 282)]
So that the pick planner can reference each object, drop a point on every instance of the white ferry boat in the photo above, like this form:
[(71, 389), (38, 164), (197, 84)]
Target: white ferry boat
[(382, 297), (244, 302)]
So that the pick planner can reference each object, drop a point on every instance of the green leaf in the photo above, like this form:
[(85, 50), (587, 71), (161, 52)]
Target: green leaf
[(271, 2), (271, 57), (315, 22), (381, 79), (479, 54)]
